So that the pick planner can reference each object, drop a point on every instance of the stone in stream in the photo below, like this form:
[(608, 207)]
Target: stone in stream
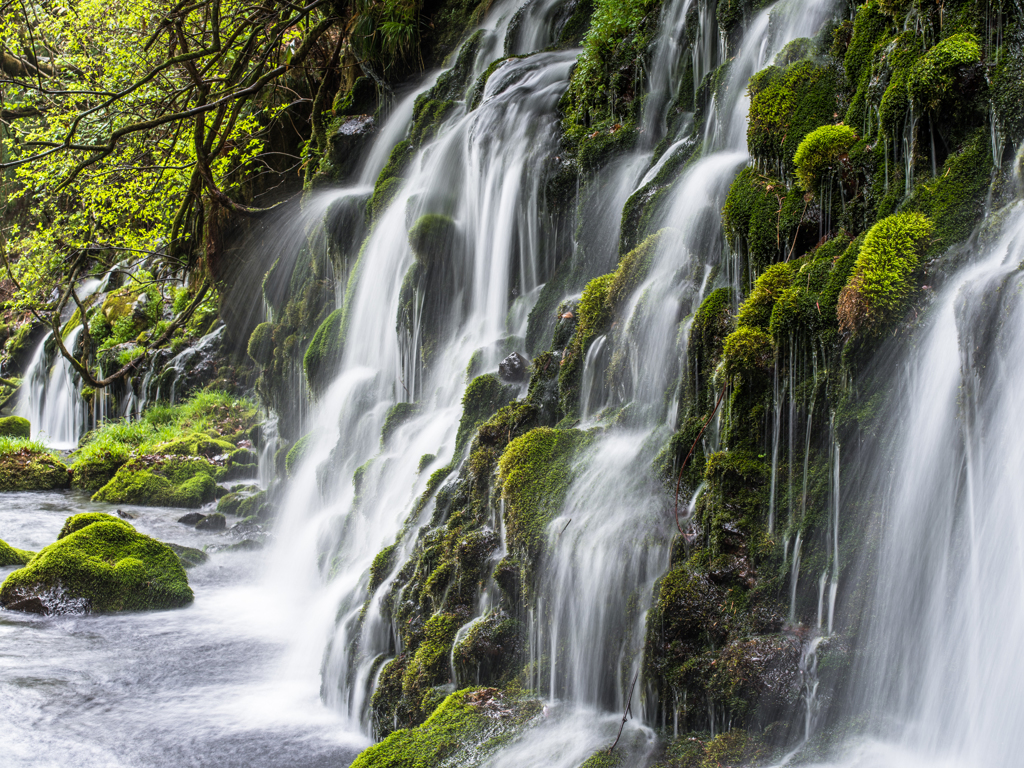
[(214, 522), (126, 515), (98, 563), (191, 518), (513, 368)]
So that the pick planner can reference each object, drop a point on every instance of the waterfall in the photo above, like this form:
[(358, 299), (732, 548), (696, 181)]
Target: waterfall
[(940, 668), (485, 169), (50, 396)]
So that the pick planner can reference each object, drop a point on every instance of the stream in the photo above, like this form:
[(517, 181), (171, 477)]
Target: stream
[(207, 685)]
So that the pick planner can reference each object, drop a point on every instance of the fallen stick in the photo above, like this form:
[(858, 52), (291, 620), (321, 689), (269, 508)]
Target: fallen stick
[(625, 711)]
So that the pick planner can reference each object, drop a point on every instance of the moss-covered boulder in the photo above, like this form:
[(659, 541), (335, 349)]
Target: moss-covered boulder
[(28, 468), (161, 481), (468, 726), (102, 564), (15, 426), (12, 555), (92, 472)]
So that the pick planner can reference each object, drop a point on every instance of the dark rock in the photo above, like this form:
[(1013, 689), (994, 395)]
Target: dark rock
[(126, 515), (191, 518), (514, 368), (214, 522), (189, 556)]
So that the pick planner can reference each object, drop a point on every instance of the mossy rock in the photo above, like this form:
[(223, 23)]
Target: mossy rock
[(190, 557), (484, 396), (15, 426), (747, 352), (820, 151), (12, 556), (261, 344), (938, 76), (93, 472), (161, 482), (28, 469), (785, 105), (104, 565), (534, 474), (756, 310), (883, 280), (467, 727), (296, 454), (323, 355), (195, 444), (397, 415), (432, 237)]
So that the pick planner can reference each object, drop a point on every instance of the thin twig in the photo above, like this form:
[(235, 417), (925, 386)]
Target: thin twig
[(625, 711), (566, 526), (682, 466)]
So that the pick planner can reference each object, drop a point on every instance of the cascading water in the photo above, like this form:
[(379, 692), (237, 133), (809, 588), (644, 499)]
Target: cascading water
[(939, 670), (484, 170), (50, 397)]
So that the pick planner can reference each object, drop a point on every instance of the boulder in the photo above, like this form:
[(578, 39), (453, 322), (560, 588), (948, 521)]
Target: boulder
[(514, 368), (214, 522), (15, 426), (162, 481), (28, 469), (12, 556), (100, 563), (191, 518)]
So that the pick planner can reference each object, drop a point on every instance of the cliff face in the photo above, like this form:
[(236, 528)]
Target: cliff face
[(728, 286)]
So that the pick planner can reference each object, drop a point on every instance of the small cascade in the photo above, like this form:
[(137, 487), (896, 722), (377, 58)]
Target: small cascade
[(50, 396), (592, 394)]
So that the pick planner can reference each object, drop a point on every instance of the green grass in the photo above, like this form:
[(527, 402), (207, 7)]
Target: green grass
[(15, 444)]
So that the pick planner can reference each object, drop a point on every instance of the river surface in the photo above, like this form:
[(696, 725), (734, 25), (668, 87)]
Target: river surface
[(220, 683)]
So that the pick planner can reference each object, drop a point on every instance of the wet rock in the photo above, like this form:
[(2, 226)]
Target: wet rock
[(189, 556), (99, 563), (191, 518), (514, 368), (26, 469), (214, 522), (125, 515)]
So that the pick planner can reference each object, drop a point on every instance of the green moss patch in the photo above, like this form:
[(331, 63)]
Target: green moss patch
[(464, 730), (12, 556), (15, 426), (104, 565), (820, 152), (323, 355), (162, 481), (883, 279), (28, 466)]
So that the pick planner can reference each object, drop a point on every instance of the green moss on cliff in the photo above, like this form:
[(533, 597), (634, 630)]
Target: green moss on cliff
[(323, 355), (12, 556)]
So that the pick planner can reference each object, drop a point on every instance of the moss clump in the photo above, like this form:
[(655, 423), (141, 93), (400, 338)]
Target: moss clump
[(764, 216), (432, 237), (94, 471), (747, 352), (15, 426), (161, 482), (593, 314), (323, 355), (102, 565), (261, 344), (466, 728), (195, 444), (934, 77), (787, 104), (296, 453), (12, 556), (883, 279), (955, 199), (633, 269), (820, 151), (534, 473), (756, 310), (484, 396), (27, 466), (711, 325), (397, 415)]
